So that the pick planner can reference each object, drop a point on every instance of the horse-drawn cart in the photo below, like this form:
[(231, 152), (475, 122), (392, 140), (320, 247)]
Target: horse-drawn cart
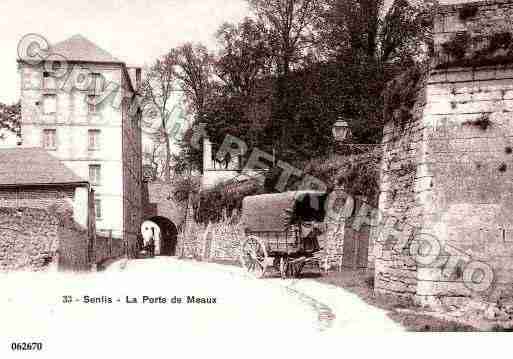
[(281, 230)]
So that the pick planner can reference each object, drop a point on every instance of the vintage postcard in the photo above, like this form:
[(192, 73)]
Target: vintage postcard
[(188, 176)]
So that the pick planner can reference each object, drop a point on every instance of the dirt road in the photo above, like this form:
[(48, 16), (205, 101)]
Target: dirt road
[(165, 301)]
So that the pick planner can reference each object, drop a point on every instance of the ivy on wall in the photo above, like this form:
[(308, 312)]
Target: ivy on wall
[(402, 93), (468, 11), (357, 174), (223, 200), (485, 42)]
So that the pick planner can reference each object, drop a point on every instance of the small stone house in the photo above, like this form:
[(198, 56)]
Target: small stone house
[(46, 213)]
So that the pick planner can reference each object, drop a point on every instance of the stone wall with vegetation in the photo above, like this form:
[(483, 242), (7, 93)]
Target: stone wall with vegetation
[(41, 239), (399, 204), (36, 197), (356, 175), (73, 245), (218, 208), (451, 175), (221, 241), (214, 241)]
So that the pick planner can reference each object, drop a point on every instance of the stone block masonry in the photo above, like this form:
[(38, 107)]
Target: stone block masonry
[(401, 188), (458, 143), (36, 197), (52, 225), (37, 240)]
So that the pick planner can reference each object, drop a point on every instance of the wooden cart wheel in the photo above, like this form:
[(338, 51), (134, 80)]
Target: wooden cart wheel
[(253, 256), (284, 267), (300, 267), (292, 270)]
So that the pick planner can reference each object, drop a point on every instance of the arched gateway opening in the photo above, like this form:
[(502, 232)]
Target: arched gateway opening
[(168, 235)]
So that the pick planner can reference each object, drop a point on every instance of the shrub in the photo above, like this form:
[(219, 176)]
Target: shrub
[(467, 11), (457, 47), (210, 204), (184, 186), (357, 174), (401, 94), (369, 281), (464, 49), (482, 122), (500, 41)]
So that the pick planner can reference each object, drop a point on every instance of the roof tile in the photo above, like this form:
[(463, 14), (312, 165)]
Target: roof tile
[(78, 48), (29, 166)]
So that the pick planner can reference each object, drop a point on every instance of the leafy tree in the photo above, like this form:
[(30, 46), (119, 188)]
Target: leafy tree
[(243, 59), (288, 25), (194, 69), (10, 118), (373, 46), (288, 72)]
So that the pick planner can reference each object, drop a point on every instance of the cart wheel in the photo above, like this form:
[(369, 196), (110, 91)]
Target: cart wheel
[(253, 256), (299, 269), (284, 267), (291, 270)]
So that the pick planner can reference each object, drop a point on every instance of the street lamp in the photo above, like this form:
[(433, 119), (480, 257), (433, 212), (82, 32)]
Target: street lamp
[(341, 131)]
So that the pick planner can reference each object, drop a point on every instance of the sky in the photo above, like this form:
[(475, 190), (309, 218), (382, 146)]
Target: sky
[(135, 31)]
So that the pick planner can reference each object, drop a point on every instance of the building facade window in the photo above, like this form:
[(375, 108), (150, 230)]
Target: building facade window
[(92, 104), (98, 208), (48, 81), (95, 174), (49, 139), (96, 83), (94, 140), (49, 104)]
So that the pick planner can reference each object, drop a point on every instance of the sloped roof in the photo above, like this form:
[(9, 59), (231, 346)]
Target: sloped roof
[(78, 48), (34, 166)]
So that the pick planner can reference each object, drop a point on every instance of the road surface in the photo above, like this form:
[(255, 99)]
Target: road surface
[(136, 303)]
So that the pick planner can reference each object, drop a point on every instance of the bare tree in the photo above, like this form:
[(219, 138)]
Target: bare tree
[(154, 155), (157, 90)]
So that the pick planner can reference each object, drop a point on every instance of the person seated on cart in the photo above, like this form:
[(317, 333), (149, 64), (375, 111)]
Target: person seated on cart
[(310, 231)]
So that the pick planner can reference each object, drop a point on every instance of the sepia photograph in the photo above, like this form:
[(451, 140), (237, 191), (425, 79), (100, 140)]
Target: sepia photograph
[(197, 178)]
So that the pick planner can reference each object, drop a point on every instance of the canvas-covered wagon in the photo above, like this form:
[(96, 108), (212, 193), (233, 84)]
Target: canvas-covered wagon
[(281, 230)]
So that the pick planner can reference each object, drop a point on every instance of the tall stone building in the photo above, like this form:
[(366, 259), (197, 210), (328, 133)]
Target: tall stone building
[(84, 117)]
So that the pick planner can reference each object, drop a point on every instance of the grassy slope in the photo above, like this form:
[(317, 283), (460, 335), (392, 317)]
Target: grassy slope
[(402, 311)]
